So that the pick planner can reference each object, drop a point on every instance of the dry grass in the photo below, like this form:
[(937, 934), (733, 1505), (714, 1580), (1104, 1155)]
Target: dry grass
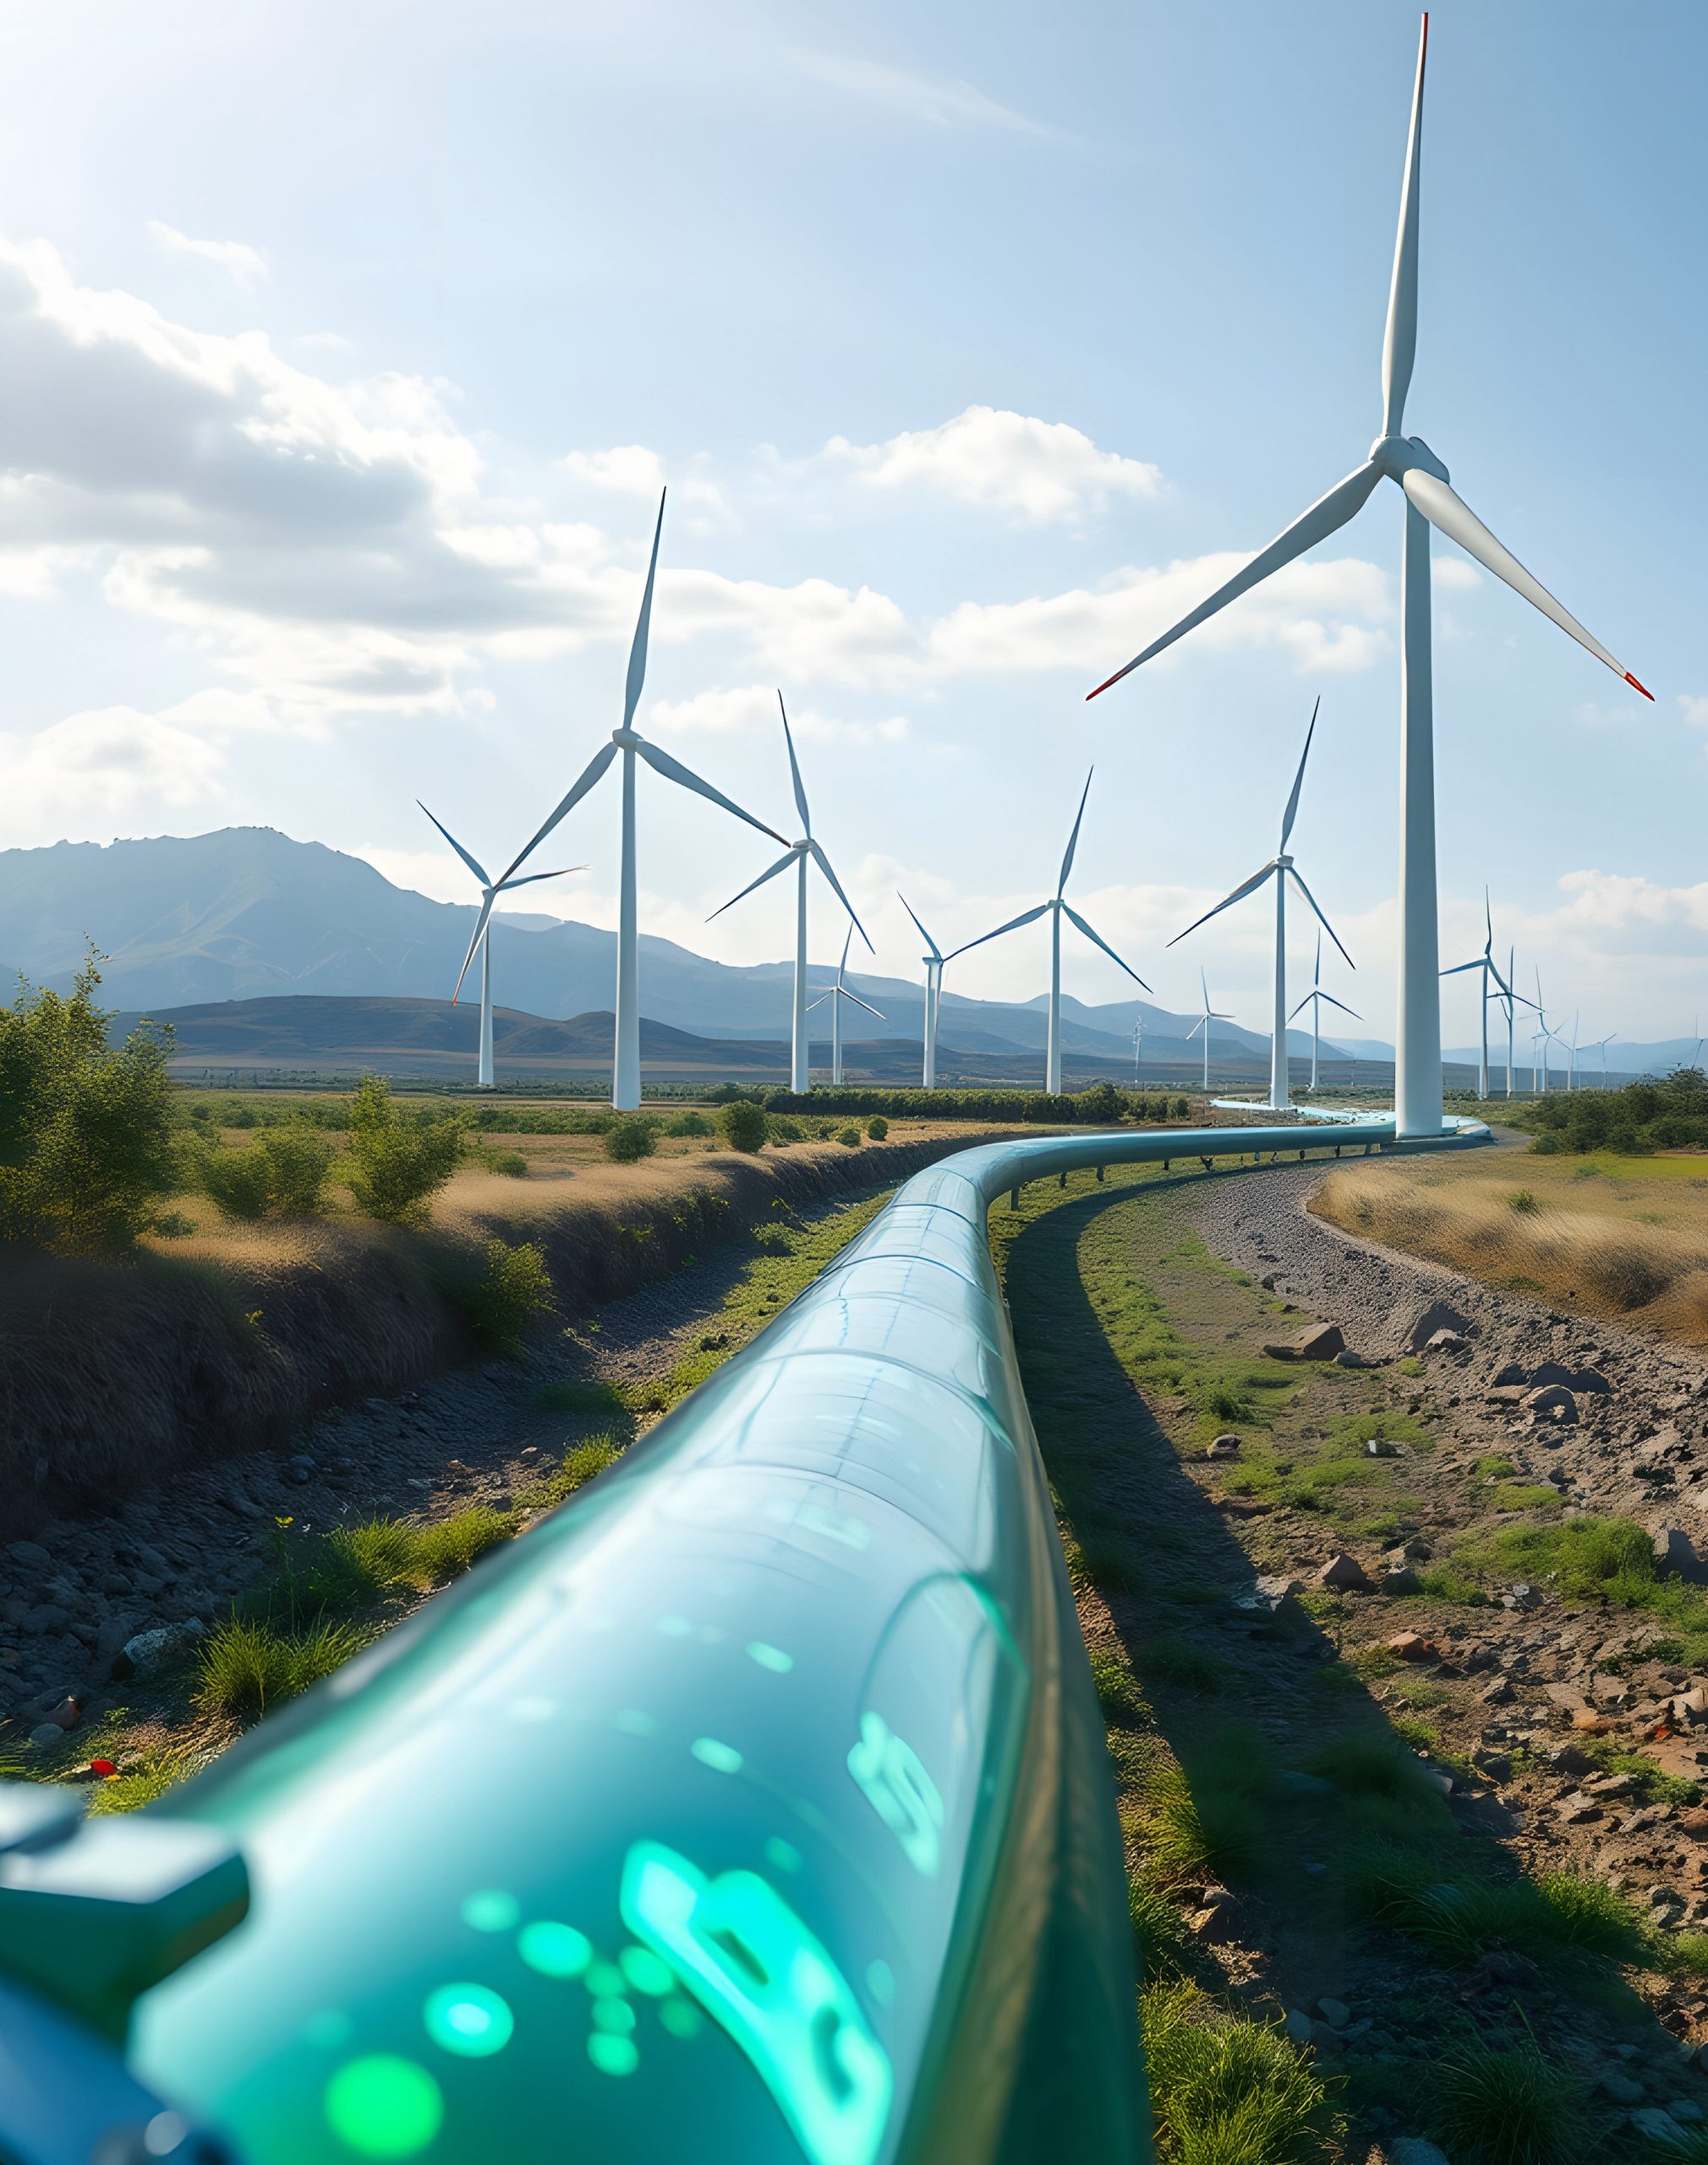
[(1625, 1237)]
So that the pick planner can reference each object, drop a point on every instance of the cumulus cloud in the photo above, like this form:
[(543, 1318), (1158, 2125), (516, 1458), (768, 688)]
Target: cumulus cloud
[(246, 264), (746, 708), (630, 468), (1692, 710), (1001, 461), (78, 776)]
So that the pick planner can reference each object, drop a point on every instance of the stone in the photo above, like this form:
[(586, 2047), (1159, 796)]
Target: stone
[(1344, 1573), (1500, 1693), (30, 1555), (1412, 1645), (1549, 1372), (1414, 1549), (67, 1714), (1512, 1373), (1579, 1811), (1293, 1781), (1570, 1761), (1659, 2126), (1588, 1722), (1522, 1597), (1553, 1402), (1320, 1344), (1445, 1342), (1684, 2108), (46, 1736), (1590, 1379), (1437, 1315), (1401, 1580), (1335, 2013), (150, 1651), (1223, 1447), (1297, 2026), (1380, 1447), (1675, 1551), (1620, 2087), (1215, 1927), (1346, 1358)]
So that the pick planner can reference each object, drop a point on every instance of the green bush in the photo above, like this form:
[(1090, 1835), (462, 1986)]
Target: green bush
[(281, 1174), (1102, 1105), (87, 1147), (501, 1298), (511, 1163), (248, 1665), (397, 1165), (689, 1124), (1507, 2106), (630, 1137), (1226, 2089), (877, 1127), (849, 1138), (742, 1125)]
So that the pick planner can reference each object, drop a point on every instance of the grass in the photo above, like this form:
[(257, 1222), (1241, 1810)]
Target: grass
[(1226, 2089), (247, 1665), (1495, 2106), (1209, 1816), (1174, 1660), (148, 1779)]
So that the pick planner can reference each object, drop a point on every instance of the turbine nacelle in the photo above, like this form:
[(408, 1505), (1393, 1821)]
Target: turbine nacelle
[(1398, 455)]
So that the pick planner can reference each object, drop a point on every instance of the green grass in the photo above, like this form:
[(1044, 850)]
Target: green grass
[(1226, 2089), (600, 1400), (1212, 1815), (581, 1463), (1177, 1660), (246, 1666), (1118, 1692), (151, 1777), (1371, 1765), (1507, 2106)]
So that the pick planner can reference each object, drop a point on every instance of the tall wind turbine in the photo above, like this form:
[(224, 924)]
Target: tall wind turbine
[(490, 890), (1489, 967), (1512, 999), (836, 994), (1210, 1015), (1280, 868), (800, 854), (1313, 1000), (933, 959), (1410, 463), (625, 1079), (1056, 908), (1601, 1046)]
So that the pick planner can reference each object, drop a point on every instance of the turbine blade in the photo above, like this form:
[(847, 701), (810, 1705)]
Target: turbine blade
[(1292, 811), (847, 942), (638, 652), (781, 865), (1304, 1004), (820, 1001), (1025, 916), (1489, 929), (936, 952), (1202, 1023), (527, 878), (475, 866), (1324, 517), (674, 770), (590, 775), (824, 865), (1067, 862), (1098, 940), (480, 924), (859, 1002), (1323, 920), (1238, 895), (794, 770), (1452, 516), (1400, 341), (1342, 1007), (1459, 968)]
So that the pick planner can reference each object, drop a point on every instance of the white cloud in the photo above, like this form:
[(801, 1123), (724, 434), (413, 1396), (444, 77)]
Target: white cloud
[(1001, 461), (236, 258), (1692, 710), (78, 776), (939, 104), (1454, 574), (749, 708), (1591, 714), (630, 468)]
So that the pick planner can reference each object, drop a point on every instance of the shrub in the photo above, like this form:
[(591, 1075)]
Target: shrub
[(86, 1132), (631, 1137), (849, 1138), (689, 1124), (877, 1127), (581, 1463), (397, 1166), (1523, 1200), (782, 1128), (1510, 2107), (511, 1163), (498, 1302), (742, 1125), (281, 1174), (1210, 1819), (247, 1666), (151, 1777), (1228, 2090)]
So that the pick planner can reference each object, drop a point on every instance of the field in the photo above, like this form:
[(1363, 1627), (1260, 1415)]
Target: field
[(1601, 1235)]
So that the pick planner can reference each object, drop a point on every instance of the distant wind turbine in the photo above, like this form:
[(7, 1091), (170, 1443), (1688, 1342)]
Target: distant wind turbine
[(1210, 1015), (1489, 967), (1281, 868), (1601, 1046), (1056, 908), (934, 960), (625, 1080), (1511, 999), (836, 994), (1410, 463), (1313, 1000), (490, 890), (799, 854), (1138, 1047)]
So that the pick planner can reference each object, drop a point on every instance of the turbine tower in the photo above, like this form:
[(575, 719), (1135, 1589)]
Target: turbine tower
[(1056, 906), (1487, 965), (1601, 1046), (800, 854), (1512, 999), (934, 960), (625, 1078), (1210, 1015), (1410, 463), (490, 890), (1280, 868), (1313, 1000), (837, 994)]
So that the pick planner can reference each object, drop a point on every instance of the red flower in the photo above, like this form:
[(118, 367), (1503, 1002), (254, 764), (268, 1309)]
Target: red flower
[(104, 1768)]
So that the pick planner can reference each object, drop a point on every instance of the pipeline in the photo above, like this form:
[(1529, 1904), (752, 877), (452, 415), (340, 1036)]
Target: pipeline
[(754, 1806)]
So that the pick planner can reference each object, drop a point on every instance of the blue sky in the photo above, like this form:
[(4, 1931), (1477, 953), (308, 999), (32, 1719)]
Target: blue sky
[(344, 347)]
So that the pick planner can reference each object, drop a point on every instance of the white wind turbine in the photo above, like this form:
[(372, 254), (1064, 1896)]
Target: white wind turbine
[(1542, 1066), (625, 1080), (1489, 967), (1313, 1000), (934, 960), (836, 994), (1601, 1046), (1512, 999), (490, 890), (1281, 868), (1572, 1054), (1410, 463), (1210, 1015), (799, 854), (1056, 908)]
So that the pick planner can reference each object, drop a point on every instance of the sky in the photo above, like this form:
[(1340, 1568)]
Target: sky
[(345, 348)]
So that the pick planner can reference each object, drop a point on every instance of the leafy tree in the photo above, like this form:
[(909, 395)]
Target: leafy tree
[(629, 1137), (877, 1127), (281, 1174), (397, 1167), (742, 1125), (87, 1147)]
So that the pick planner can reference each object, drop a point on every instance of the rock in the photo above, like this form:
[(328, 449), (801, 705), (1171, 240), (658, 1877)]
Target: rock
[(1658, 2126), (1346, 1358), (67, 1714), (1380, 1447), (1675, 1551), (1412, 1645), (1344, 1573), (1588, 1722), (1501, 1966), (1297, 2026), (1414, 1549), (1553, 1402), (1445, 1342), (1322, 1344), (46, 1736), (1579, 1811), (1267, 1594), (1549, 1372), (1512, 1373), (1570, 1761), (150, 1651), (30, 1555), (1335, 2013), (1223, 1447), (1522, 1597), (1412, 2150), (1401, 1580), (1684, 2108), (1500, 1693), (1663, 1897), (1495, 1764), (1214, 1926), (1620, 2087), (1437, 1315), (1590, 1380)]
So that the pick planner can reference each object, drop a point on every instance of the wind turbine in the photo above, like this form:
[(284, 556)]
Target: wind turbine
[(799, 854), (1487, 965), (1056, 908), (1512, 999), (1313, 1000), (1210, 1015), (1601, 1046), (625, 1079), (490, 890), (1572, 1055), (1541, 1067), (1281, 868), (934, 960), (836, 994), (1410, 463), (1138, 1047)]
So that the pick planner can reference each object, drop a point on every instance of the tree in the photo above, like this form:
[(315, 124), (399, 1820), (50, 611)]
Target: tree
[(397, 1167), (742, 1125)]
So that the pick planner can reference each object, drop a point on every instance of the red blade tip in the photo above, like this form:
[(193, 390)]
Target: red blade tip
[(1106, 683), (1636, 686)]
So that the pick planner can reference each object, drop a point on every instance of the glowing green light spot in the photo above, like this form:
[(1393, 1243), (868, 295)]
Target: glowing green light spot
[(783, 1855), (468, 2019), (491, 1910), (555, 1951), (682, 2018), (771, 1657), (383, 2106), (675, 1627), (615, 2016), (880, 1979), (612, 2055), (604, 1981), (722, 1758), (646, 1973)]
